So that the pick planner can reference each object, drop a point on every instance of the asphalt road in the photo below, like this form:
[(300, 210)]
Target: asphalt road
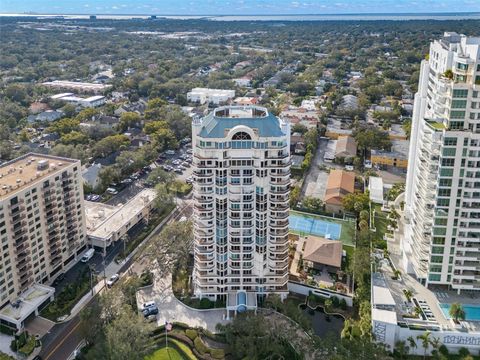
[(62, 340)]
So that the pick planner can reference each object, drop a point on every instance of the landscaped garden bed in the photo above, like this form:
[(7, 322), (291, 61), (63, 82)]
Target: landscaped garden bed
[(68, 297)]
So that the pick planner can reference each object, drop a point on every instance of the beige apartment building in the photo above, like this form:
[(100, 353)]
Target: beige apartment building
[(241, 193), (42, 223)]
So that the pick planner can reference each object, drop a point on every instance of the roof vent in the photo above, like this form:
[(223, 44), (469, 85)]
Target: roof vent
[(19, 181), (42, 165)]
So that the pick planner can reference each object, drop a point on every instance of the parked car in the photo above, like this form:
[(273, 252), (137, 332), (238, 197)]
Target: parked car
[(95, 197), (113, 279), (112, 191), (88, 255), (181, 167), (170, 152), (367, 164), (88, 197), (189, 180), (150, 311), (148, 304), (189, 151), (178, 171), (349, 167), (176, 162), (126, 181)]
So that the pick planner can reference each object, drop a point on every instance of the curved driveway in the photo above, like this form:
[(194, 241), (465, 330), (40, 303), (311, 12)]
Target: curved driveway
[(173, 310)]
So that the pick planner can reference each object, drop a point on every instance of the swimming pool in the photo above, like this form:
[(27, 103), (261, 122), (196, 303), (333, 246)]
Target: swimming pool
[(472, 312), (315, 226)]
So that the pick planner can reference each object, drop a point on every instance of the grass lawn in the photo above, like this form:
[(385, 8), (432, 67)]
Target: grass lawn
[(347, 232), (380, 222), (172, 353), (165, 354), (349, 258)]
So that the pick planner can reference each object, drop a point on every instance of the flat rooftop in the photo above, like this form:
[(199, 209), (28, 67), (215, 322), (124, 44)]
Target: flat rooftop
[(103, 220), (76, 85), (29, 169), (28, 302)]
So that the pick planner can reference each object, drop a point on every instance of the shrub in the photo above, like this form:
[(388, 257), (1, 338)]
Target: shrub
[(146, 278), (7, 330), (4, 356), (217, 353), (343, 304), (443, 350), (463, 352), (335, 301), (205, 303), (200, 346), (191, 333)]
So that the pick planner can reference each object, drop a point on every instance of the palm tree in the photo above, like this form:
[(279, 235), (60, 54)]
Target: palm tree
[(456, 312), (425, 338), (401, 350), (412, 342), (408, 294), (435, 342)]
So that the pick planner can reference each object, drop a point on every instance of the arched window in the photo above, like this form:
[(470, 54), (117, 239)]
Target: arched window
[(241, 136)]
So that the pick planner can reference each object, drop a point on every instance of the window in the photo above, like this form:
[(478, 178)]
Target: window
[(450, 141), (448, 162), (459, 104), (434, 277), (436, 259), (449, 152), (457, 114), (460, 93), (241, 136), (443, 192), (456, 125)]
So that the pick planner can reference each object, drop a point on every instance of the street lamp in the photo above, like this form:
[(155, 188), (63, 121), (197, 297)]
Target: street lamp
[(92, 269)]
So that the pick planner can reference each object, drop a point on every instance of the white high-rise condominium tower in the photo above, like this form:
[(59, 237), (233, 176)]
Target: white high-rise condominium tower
[(241, 196), (442, 234)]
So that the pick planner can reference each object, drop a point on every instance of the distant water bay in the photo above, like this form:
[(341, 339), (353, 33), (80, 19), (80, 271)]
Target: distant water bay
[(325, 17)]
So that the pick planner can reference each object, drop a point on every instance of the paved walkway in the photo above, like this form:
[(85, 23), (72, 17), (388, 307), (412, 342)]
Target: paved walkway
[(173, 310), (296, 257), (5, 341)]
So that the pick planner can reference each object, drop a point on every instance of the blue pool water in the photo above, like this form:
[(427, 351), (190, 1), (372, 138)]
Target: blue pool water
[(313, 226), (472, 312)]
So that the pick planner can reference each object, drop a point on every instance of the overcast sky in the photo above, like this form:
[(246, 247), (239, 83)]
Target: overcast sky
[(236, 7)]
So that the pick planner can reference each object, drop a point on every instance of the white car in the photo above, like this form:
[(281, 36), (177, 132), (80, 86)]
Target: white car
[(113, 279), (112, 191), (349, 167), (148, 304), (367, 164)]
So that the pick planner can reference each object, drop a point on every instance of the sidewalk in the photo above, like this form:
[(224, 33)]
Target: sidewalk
[(121, 268)]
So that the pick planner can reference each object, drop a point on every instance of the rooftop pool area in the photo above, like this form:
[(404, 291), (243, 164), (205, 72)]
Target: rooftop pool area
[(472, 312)]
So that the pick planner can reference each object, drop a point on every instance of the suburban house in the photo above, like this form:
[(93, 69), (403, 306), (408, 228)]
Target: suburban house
[(90, 175), (346, 147), (48, 115), (339, 184), (320, 253), (396, 157), (297, 144)]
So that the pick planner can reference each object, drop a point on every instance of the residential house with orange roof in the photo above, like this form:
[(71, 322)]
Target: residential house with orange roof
[(339, 184)]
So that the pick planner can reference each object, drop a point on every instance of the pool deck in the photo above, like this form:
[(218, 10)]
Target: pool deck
[(347, 233), (432, 296)]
